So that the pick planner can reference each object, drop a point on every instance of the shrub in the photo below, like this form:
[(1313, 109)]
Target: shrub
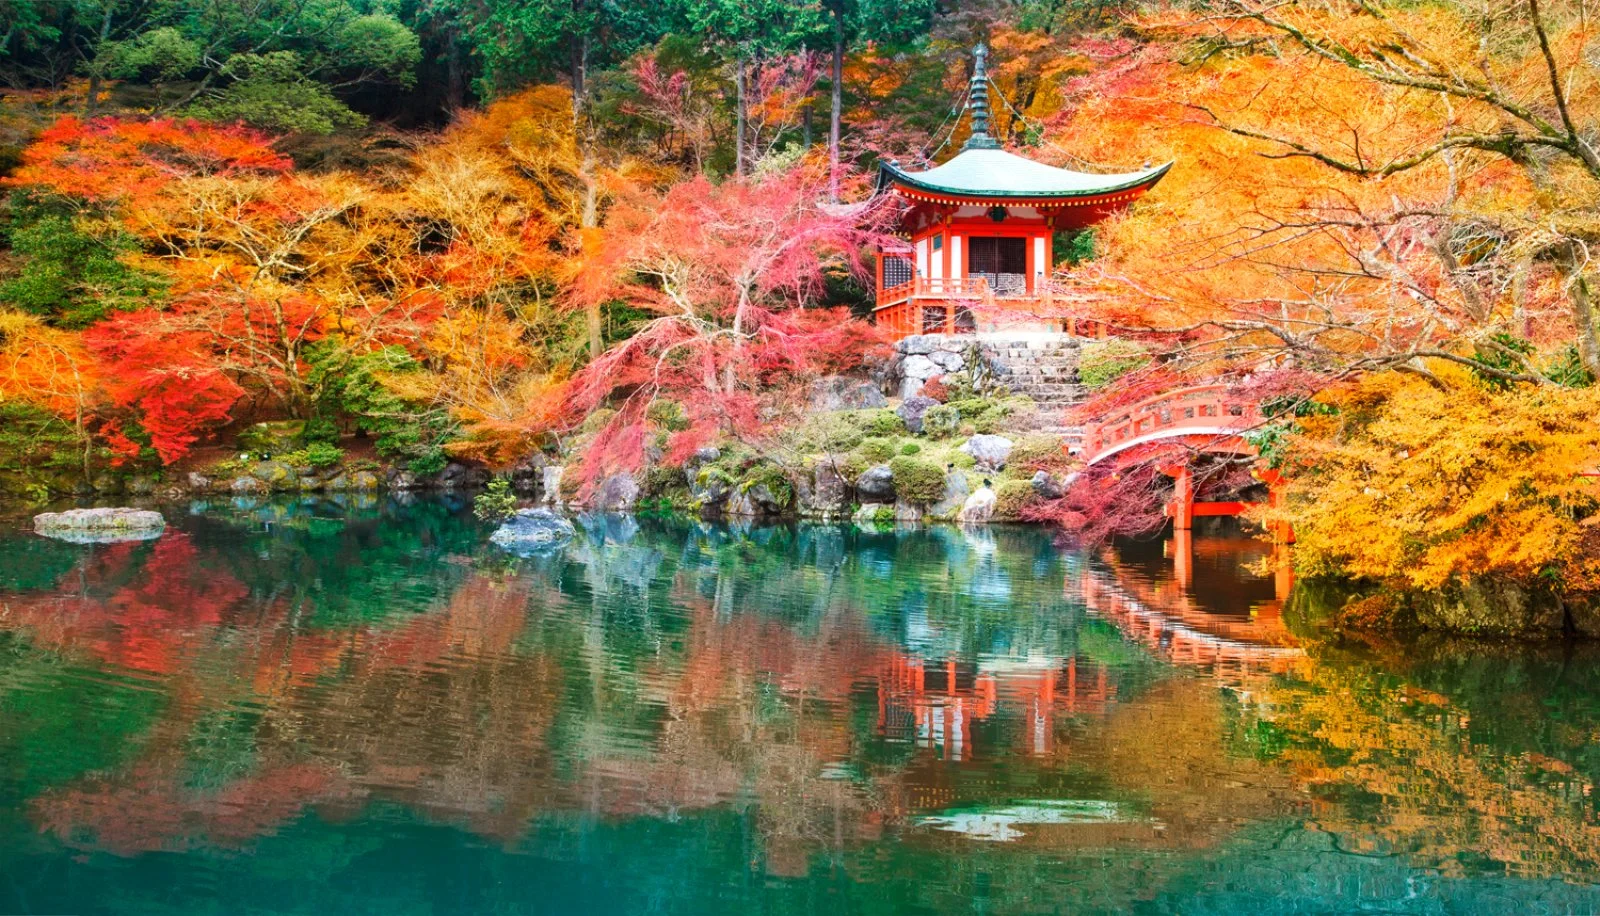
[(876, 450), (941, 422), (971, 407), (1011, 497), (910, 448), (937, 389), (881, 422), (992, 420), (1039, 453), (496, 503), (917, 481), (315, 455), (1102, 362)]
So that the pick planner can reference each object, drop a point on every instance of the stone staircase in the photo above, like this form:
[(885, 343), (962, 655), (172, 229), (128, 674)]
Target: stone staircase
[(1041, 366)]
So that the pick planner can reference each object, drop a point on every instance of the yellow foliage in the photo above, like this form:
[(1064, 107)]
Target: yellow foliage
[(1425, 480)]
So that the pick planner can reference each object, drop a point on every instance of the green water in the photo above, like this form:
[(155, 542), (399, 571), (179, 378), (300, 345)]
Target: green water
[(360, 708)]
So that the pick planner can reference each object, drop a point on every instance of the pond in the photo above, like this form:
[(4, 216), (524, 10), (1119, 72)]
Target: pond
[(362, 706)]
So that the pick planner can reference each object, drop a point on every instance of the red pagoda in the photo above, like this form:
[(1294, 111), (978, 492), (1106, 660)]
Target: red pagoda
[(982, 228)]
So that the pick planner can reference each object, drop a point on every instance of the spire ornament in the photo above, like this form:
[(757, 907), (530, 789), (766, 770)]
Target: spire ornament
[(978, 102)]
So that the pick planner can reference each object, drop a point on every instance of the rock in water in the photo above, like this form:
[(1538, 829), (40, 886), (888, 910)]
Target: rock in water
[(979, 507), (532, 531), (100, 526)]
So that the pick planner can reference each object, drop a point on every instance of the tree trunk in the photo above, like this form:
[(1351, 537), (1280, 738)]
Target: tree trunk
[(455, 83), (92, 102), (837, 92), (1571, 262), (580, 74), (589, 219), (738, 120)]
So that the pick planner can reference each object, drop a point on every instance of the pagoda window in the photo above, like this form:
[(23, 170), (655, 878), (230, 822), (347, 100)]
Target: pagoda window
[(896, 270), (1002, 261)]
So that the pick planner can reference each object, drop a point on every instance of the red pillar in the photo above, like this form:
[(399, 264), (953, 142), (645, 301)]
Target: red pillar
[(1181, 509)]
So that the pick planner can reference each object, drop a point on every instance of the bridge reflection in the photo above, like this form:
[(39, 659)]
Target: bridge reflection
[(1232, 634)]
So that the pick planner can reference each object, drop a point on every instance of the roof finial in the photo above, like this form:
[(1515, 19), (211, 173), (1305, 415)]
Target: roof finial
[(978, 94)]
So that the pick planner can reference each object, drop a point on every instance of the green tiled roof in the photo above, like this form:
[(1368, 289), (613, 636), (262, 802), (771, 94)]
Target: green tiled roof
[(999, 174)]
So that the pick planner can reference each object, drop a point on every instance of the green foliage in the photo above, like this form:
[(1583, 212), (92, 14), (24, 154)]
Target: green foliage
[(1509, 353), (354, 392), (876, 450), (1011, 497), (269, 92), (40, 453), (70, 264), (314, 455), (910, 448), (917, 481), (880, 422), (496, 503), (1073, 248), (941, 421), (1102, 362)]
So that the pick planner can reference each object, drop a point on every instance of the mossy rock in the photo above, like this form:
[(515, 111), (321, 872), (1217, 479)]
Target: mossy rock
[(1011, 497), (877, 449), (917, 481), (274, 437), (941, 422)]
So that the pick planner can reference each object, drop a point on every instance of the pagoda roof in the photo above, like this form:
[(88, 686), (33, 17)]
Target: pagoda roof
[(994, 174)]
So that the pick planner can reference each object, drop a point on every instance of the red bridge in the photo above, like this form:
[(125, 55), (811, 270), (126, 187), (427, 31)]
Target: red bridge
[(1204, 420)]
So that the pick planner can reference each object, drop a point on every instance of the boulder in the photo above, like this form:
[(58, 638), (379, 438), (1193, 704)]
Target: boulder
[(272, 473), (527, 473), (142, 486), (1046, 486), (839, 392), (979, 507), (459, 476), (920, 344), (823, 492), (765, 501), (95, 526), (276, 437), (617, 493), (532, 531), (247, 486), (955, 496), (876, 484), (919, 367), (990, 452), (712, 488), (363, 480), (911, 411), (550, 484), (907, 513), (198, 482), (948, 360)]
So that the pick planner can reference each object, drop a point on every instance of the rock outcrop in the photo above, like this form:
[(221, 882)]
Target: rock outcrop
[(94, 526), (533, 531)]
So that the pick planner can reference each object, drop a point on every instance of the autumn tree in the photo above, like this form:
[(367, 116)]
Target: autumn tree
[(725, 273)]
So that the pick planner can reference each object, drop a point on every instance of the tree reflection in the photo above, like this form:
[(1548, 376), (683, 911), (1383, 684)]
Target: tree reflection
[(819, 690)]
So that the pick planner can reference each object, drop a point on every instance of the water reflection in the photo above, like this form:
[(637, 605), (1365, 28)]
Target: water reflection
[(308, 706)]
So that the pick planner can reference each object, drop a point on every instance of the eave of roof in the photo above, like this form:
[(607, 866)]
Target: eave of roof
[(992, 174)]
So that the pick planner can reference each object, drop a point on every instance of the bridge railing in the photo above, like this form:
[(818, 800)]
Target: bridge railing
[(1198, 410)]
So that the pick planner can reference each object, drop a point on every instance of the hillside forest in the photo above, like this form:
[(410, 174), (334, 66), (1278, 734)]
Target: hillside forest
[(430, 237)]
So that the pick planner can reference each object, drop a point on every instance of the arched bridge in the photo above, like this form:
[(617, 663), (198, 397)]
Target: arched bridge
[(1204, 419)]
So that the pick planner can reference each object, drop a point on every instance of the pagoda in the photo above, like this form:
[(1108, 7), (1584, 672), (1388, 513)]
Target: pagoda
[(982, 228)]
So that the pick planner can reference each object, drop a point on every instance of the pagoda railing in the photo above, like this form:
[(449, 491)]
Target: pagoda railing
[(974, 289)]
